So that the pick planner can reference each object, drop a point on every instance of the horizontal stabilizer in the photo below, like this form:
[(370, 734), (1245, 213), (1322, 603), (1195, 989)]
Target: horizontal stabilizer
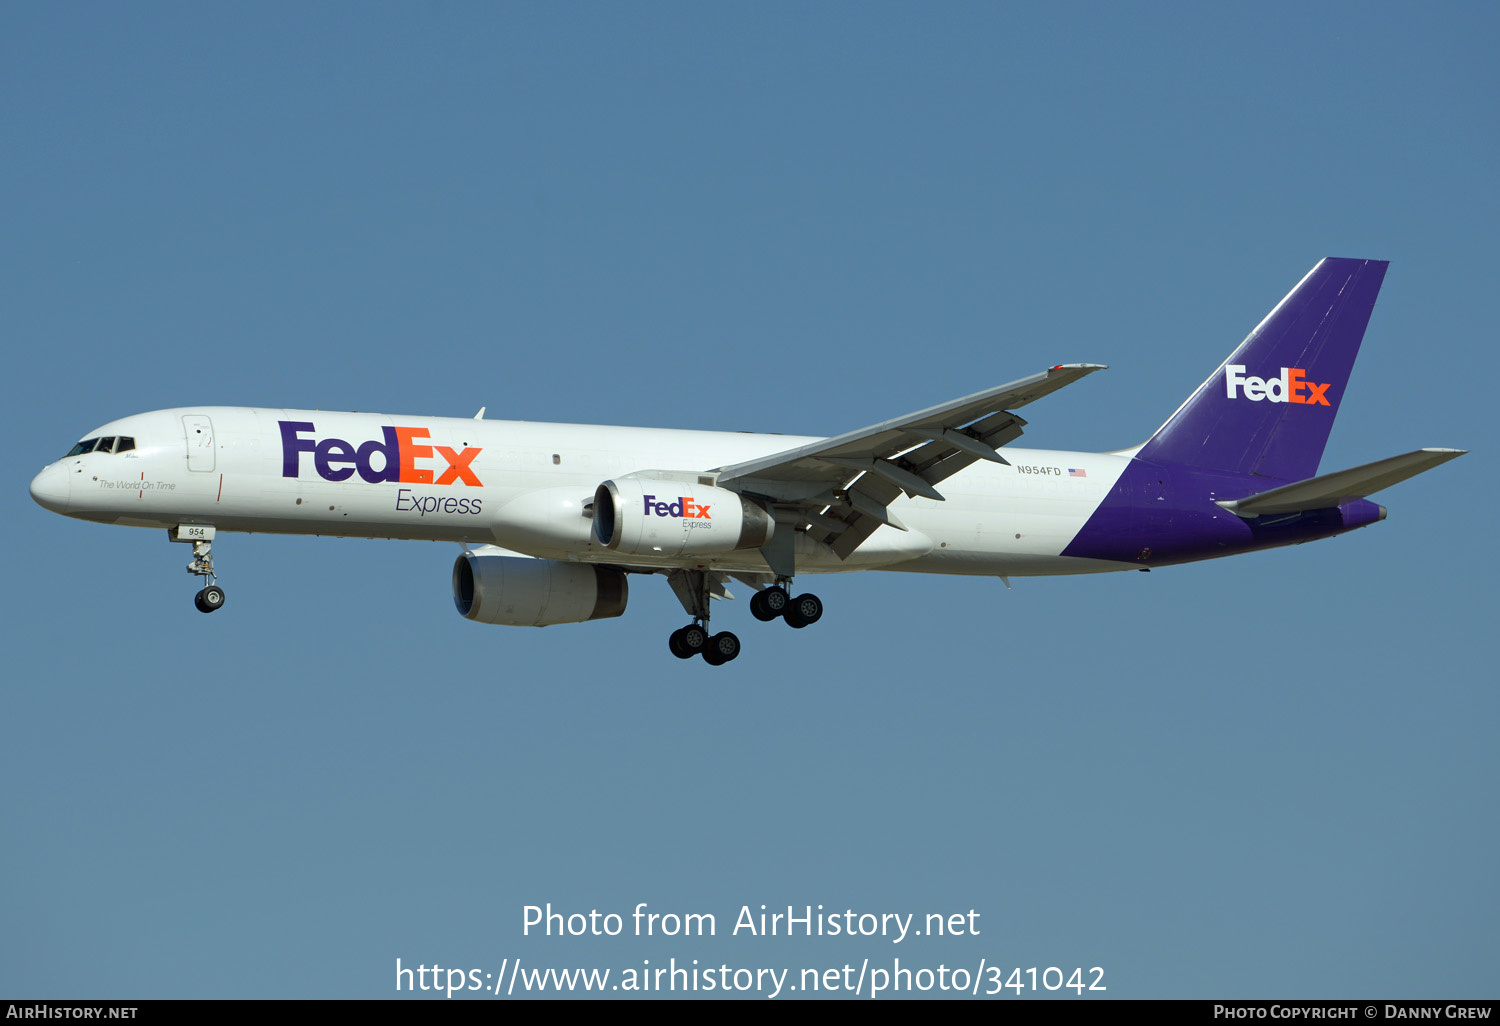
[(1328, 490)]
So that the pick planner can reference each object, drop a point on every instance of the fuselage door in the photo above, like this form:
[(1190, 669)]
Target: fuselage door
[(200, 441)]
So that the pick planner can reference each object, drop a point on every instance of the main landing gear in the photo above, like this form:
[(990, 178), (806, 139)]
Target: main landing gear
[(774, 602), (694, 589), (694, 639), (202, 538)]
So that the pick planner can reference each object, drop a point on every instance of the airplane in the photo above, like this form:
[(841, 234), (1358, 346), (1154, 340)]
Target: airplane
[(555, 519)]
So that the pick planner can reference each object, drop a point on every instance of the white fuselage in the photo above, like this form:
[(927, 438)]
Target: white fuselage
[(527, 486)]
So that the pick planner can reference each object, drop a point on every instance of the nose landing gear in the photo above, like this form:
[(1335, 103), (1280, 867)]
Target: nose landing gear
[(202, 538), (209, 599)]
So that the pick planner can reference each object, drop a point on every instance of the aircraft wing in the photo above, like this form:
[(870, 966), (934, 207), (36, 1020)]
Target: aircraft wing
[(840, 487)]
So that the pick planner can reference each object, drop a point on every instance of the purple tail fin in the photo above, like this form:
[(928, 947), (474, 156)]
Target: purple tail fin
[(1268, 409)]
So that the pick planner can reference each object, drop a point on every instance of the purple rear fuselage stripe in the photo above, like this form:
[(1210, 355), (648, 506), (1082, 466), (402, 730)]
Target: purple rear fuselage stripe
[(1158, 514)]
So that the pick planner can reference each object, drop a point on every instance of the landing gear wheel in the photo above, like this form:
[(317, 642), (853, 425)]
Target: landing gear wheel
[(720, 649), (674, 642), (691, 639), (209, 599), (767, 605), (804, 610)]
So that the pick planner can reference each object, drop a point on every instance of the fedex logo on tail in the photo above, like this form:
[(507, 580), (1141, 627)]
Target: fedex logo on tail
[(399, 450), (1291, 387), (684, 507)]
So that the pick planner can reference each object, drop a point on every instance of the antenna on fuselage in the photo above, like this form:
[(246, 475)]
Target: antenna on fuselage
[(480, 414)]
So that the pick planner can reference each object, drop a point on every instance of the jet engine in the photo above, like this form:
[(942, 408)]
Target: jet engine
[(665, 517), (521, 592)]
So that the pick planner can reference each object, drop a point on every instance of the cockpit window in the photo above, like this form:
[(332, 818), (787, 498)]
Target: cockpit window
[(118, 444)]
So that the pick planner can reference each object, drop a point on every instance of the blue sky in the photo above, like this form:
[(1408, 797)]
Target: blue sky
[(1271, 776)]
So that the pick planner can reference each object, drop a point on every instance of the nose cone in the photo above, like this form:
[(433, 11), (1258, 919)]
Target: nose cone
[(50, 488)]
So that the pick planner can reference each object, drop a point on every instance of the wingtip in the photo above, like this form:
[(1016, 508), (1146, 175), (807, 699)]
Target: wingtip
[(1080, 366)]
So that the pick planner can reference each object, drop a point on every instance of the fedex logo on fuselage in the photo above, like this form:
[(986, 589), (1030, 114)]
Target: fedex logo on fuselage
[(1291, 387), (684, 507), (399, 450)]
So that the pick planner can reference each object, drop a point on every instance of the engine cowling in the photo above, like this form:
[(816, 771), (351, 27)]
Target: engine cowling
[(662, 517), (520, 592)]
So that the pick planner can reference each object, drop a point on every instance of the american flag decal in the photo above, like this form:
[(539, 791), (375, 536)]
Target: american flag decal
[(1076, 473)]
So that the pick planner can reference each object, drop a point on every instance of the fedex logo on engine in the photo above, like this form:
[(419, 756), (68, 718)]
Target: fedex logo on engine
[(684, 507), (1291, 387), (399, 450)]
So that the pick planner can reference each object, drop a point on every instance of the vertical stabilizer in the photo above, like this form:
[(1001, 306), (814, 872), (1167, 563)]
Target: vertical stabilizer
[(1268, 409)]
